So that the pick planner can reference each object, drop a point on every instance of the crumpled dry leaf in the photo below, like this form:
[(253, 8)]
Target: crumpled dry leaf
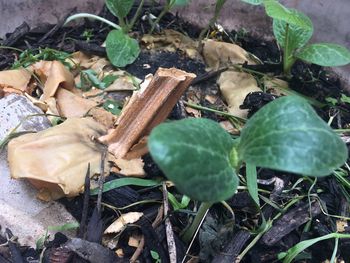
[(171, 40), (55, 160), (227, 125), (235, 86), (71, 105), (276, 86), (15, 80), (133, 167), (122, 221), (221, 54), (54, 74), (85, 61)]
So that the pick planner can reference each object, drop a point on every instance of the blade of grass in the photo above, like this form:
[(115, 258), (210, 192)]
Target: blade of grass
[(124, 182)]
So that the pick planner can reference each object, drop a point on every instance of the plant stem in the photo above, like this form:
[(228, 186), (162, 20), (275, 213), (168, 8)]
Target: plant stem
[(189, 234), (288, 58), (166, 9), (137, 14), (199, 107), (11, 48), (87, 15)]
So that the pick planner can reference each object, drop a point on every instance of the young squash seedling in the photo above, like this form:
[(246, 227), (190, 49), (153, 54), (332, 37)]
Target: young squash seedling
[(293, 30), (203, 160), (121, 49)]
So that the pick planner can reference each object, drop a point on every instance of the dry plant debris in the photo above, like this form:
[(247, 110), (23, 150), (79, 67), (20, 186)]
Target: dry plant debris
[(55, 160), (235, 86)]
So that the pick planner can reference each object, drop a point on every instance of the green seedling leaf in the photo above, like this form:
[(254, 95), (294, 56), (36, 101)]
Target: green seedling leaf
[(288, 135), (108, 80), (345, 99), (121, 49), (325, 54), (124, 182), (297, 36), (252, 182), (298, 248), (185, 200), (194, 154), (277, 11), (112, 106), (253, 2), (119, 8)]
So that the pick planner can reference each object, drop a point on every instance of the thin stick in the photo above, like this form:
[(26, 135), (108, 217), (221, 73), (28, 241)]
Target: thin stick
[(168, 228)]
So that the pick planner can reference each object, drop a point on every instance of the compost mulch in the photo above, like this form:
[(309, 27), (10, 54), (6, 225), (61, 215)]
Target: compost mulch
[(222, 238)]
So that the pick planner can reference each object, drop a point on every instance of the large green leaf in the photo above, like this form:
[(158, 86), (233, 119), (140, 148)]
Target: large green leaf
[(253, 2), (119, 8), (194, 154), (297, 36), (324, 54), (121, 49), (288, 135), (277, 11)]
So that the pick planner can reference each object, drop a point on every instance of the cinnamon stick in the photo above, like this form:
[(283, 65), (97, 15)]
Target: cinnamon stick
[(146, 109)]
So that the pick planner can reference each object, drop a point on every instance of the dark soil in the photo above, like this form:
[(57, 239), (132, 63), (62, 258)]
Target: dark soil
[(221, 239)]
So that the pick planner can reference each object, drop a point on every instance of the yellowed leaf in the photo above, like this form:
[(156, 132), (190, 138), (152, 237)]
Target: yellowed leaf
[(15, 81), (227, 125), (133, 167), (134, 240), (276, 86), (221, 54), (54, 74), (56, 160), (122, 221), (235, 86), (171, 40)]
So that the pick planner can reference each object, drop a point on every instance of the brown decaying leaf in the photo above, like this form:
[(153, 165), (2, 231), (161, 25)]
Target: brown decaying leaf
[(235, 86), (55, 160), (171, 40), (122, 221), (15, 81), (133, 167), (220, 54), (55, 75), (276, 86)]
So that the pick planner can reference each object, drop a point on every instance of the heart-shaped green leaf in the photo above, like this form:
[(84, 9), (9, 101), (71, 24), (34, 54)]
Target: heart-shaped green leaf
[(194, 154), (288, 135), (121, 49), (119, 8), (277, 11), (297, 36), (325, 54)]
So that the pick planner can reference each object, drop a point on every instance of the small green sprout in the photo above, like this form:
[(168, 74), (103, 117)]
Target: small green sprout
[(285, 135), (121, 49), (293, 30)]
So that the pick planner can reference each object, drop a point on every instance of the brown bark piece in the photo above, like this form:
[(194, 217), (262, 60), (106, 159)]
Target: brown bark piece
[(146, 109)]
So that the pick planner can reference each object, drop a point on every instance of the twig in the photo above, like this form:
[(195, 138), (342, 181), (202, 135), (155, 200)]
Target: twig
[(101, 181), (138, 250), (168, 228)]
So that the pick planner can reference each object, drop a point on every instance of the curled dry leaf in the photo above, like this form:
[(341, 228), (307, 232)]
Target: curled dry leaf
[(171, 40), (15, 81), (235, 86), (122, 221), (276, 86), (220, 54), (133, 167), (54, 74), (55, 160)]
